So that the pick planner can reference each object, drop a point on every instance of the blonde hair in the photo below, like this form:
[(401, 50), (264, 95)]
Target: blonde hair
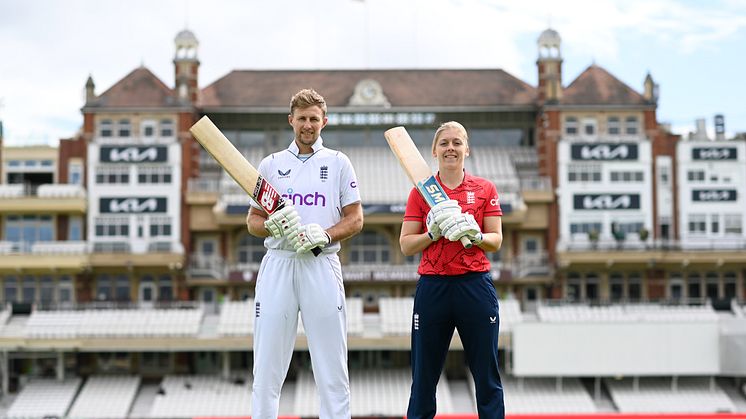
[(306, 98), (448, 125)]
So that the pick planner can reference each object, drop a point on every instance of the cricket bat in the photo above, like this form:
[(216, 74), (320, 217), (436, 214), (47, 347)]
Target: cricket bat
[(417, 170), (247, 177)]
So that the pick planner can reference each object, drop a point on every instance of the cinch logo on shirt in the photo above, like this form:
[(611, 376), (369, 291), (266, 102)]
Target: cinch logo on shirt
[(312, 199)]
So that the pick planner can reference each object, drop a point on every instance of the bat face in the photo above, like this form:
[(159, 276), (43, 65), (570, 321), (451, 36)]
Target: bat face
[(431, 190), (267, 196)]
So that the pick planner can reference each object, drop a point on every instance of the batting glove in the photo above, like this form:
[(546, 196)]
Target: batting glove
[(437, 214), (309, 236), (282, 222), (462, 225)]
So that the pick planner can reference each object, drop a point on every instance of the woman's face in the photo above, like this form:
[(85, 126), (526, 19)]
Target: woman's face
[(451, 149)]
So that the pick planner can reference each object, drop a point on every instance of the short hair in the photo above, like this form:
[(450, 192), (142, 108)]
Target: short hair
[(446, 125), (306, 98)]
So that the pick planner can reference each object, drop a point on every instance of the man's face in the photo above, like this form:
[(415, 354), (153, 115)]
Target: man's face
[(307, 124)]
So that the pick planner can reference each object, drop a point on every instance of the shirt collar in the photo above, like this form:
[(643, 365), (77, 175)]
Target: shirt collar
[(318, 145)]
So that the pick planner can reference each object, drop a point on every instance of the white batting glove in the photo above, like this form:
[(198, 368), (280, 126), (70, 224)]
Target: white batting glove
[(309, 236), (283, 222), (462, 225), (437, 214)]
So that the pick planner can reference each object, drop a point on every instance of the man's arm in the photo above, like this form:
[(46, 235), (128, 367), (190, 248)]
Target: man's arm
[(255, 222), (350, 224)]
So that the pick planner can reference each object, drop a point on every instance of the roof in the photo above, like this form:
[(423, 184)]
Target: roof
[(402, 88), (138, 89), (596, 86)]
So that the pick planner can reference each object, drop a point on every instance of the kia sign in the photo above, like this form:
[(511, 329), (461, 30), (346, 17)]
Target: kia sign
[(132, 205), (604, 151), (606, 201), (133, 154), (714, 195), (714, 153)]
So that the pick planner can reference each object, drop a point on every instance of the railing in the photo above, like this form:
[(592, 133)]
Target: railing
[(582, 243), (207, 266), (51, 190), (538, 183)]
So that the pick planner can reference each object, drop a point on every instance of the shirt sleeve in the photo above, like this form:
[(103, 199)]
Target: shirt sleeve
[(349, 191), (493, 203), (416, 209)]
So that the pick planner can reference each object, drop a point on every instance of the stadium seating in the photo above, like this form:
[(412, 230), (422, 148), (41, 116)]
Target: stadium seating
[(105, 397), (114, 323), (510, 314), (544, 395), (625, 313), (44, 398), (661, 395), (383, 392), (186, 396), (396, 315)]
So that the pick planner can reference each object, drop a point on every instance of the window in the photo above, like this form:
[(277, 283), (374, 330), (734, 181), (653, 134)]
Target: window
[(46, 289), (112, 227), (732, 223), (694, 285), (729, 285), (147, 129), (11, 288), (165, 288), (635, 176), (28, 228), (664, 175), (167, 128), (697, 223), (160, 226), (613, 126), (250, 249), (369, 247), (584, 173), (616, 286), (631, 126), (571, 125), (154, 174), (112, 175), (589, 127), (634, 287), (28, 289), (105, 128), (75, 173), (695, 176), (65, 289), (109, 288), (124, 128), (585, 227), (714, 223), (75, 229)]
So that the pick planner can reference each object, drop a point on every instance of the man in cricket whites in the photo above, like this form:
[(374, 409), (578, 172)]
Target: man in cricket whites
[(323, 208)]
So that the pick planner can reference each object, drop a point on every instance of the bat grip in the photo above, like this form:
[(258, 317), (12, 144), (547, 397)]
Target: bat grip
[(317, 251), (466, 242)]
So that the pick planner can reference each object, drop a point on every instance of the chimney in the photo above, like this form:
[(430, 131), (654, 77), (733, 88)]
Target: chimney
[(90, 94), (700, 132)]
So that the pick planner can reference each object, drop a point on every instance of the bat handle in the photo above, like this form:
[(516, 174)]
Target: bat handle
[(466, 242), (317, 250)]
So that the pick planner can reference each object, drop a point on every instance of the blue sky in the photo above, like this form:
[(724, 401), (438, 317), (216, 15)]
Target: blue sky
[(695, 50)]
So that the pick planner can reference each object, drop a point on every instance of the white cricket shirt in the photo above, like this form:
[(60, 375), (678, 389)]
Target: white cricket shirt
[(318, 187)]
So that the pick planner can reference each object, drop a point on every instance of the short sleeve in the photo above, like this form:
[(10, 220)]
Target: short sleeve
[(349, 192), (493, 202)]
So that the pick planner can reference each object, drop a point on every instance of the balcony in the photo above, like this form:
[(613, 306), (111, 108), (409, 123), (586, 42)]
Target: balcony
[(607, 251), (58, 256), (157, 254), (48, 198)]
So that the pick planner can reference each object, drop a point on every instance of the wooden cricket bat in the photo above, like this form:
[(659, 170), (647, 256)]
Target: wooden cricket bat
[(417, 170), (247, 177)]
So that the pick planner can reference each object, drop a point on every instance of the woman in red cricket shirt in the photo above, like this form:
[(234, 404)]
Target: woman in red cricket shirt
[(455, 288)]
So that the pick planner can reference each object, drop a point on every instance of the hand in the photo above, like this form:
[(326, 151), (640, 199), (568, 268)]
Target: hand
[(437, 214), (461, 225), (283, 222), (309, 236)]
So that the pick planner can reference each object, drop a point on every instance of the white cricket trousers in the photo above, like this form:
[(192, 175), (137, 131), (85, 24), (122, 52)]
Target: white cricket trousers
[(288, 282)]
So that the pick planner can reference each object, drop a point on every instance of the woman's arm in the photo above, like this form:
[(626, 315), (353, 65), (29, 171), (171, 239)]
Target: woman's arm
[(411, 240)]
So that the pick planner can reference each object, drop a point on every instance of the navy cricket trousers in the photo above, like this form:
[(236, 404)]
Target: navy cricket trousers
[(468, 303)]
